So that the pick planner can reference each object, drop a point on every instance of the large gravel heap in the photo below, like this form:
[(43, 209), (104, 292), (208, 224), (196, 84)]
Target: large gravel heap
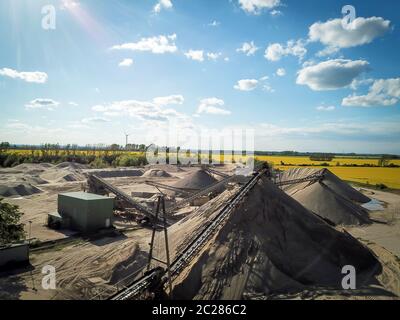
[(197, 180), (330, 198), (269, 244)]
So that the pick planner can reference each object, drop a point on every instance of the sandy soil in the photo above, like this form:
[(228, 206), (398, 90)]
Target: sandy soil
[(386, 231), (84, 270)]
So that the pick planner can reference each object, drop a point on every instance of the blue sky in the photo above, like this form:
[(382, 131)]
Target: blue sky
[(287, 69)]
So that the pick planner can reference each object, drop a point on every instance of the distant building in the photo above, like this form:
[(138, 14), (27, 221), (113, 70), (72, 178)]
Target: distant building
[(84, 212)]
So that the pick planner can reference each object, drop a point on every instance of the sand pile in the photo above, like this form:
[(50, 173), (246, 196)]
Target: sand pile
[(18, 190), (71, 165), (331, 198), (33, 166), (166, 167), (156, 173), (270, 244), (71, 177), (196, 180), (35, 180), (118, 173), (331, 180), (62, 175)]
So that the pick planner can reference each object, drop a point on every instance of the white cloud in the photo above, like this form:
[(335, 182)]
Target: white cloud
[(158, 44), (256, 6), (126, 63), (95, 120), (331, 74), (212, 106), (325, 108), (276, 51), (99, 108), (327, 51), (162, 4), (246, 84), (197, 55), (148, 111), (69, 4), (361, 31), (383, 92), (215, 23), (360, 82), (34, 77), (213, 55), (249, 48), (74, 104), (169, 100), (41, 103), (281, 72), (264, 78), (276, 13), (343, 128), (268, 88)]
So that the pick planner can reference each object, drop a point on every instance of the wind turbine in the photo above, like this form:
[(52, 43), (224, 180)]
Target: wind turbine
[(126, 139)]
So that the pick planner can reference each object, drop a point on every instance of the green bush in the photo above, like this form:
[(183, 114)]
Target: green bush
[(11, 230), (131, 161), (99, 163)]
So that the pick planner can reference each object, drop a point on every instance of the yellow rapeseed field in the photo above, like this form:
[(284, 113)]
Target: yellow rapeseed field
[(276, 160), (366, 175)]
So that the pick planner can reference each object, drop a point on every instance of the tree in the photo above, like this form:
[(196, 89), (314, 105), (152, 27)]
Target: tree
[(11, 230), (383, 161), (4, 146)]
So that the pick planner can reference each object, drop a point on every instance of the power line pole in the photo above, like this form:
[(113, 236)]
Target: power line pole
[(167, 263)]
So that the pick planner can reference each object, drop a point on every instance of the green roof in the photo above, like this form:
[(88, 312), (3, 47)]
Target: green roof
[(84, 196)]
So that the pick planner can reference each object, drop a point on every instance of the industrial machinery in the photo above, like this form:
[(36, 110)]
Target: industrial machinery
[(158, 277)]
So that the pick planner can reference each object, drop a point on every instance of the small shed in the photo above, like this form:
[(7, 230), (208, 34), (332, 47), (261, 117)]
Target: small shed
[(86, 212)]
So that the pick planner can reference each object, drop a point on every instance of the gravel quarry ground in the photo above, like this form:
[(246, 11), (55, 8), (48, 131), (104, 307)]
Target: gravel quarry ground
[(271, 247)]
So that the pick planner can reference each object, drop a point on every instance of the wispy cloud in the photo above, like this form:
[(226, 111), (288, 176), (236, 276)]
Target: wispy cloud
[(325, 108), (162, 4), (257, 6), (248, 48), (197, 55), (41, 103), (246, 85), (383, 92), (158, 45), (276, 51), (281, 72), (126, 63), (215, 23), (212, 106), (35, 77)]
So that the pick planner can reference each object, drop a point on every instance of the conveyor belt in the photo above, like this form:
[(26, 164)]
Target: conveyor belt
[(122, 195), (193, 248), (200, 193), (164, 186), (314, 177), (223, 175)]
